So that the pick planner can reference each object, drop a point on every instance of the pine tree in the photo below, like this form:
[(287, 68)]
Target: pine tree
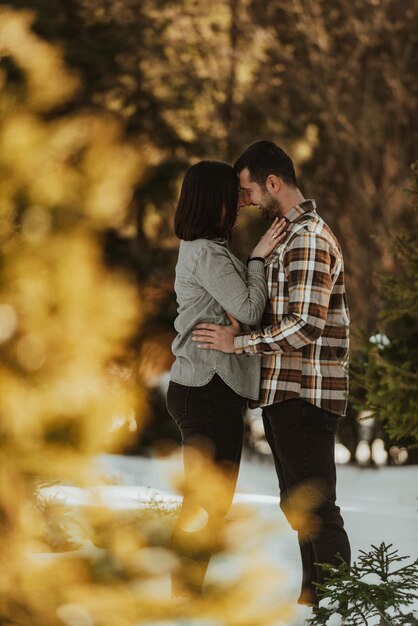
[(387, 371), (376, 591)]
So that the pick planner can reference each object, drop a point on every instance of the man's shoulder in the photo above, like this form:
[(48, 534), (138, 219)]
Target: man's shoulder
[(328, 235), (313, 229)]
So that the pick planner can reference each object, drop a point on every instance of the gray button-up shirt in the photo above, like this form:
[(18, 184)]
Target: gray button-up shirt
[(211, 281)]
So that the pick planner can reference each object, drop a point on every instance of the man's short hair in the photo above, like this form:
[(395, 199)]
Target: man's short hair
[(264, 158)]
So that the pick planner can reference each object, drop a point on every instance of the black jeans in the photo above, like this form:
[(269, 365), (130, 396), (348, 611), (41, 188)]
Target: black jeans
[(302, 439), (209, 417)]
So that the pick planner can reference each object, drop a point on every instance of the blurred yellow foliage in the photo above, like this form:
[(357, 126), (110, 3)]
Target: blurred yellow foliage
[(49, 83), (65, 381)]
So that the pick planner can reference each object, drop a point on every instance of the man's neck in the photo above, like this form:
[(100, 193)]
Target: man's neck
[(289, 199)]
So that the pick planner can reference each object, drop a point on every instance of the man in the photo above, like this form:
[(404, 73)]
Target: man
[(303, 341)]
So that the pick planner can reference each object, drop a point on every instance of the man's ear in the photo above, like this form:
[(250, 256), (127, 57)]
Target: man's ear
[(274, 183)]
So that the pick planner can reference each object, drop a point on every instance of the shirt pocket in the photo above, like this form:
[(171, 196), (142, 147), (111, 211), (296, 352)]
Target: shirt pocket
[(277, 305)]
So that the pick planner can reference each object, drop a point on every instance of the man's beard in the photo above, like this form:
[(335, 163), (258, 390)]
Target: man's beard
[(270, 207)]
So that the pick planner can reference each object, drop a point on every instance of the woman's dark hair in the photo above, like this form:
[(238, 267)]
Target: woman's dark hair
[(207, 207), (264, 158)]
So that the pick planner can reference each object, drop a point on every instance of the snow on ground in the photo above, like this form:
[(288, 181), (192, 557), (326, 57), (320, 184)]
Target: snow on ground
[(377, 505)]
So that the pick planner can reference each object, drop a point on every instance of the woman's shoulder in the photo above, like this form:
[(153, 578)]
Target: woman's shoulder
[(210, 255), (192, 253), (206, 252)]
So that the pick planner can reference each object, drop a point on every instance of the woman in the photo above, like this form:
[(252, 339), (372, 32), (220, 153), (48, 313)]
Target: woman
[(208, 390)]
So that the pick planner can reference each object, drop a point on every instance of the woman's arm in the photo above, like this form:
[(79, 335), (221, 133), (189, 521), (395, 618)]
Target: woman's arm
[(244, 299), (216, 273)]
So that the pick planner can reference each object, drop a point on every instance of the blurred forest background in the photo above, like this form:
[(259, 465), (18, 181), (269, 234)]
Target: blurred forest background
[(332, 81), (103, 106)]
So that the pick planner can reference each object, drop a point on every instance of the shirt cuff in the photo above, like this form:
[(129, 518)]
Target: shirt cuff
[(241, 344), (255, 258), (256, 266)]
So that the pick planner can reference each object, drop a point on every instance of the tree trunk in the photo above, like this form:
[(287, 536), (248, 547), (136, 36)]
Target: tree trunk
[(230, 90)]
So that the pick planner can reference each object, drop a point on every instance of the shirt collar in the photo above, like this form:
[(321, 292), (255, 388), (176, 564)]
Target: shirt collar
[(292, 216), (299, 209), (221, 240)]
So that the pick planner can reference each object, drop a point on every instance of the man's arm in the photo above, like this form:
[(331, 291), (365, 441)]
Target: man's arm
[(307, 264)]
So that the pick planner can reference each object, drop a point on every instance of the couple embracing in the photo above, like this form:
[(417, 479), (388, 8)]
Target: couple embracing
[(272, 334)]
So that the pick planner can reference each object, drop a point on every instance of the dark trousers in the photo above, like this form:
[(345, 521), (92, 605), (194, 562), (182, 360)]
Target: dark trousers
[(210, 419), (302, 439)]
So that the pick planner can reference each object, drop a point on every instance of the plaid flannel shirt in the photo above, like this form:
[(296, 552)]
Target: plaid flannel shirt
[(304, 333)]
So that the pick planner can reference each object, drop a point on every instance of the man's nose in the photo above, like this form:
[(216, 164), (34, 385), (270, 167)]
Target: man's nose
[(244, 198)]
